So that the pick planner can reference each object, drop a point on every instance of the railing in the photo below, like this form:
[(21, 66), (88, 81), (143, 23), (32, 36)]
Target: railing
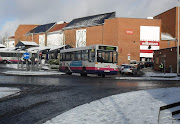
[(169, 114)]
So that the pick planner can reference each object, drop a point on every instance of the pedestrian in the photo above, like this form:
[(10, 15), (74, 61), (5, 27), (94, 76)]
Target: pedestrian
[(161, 67)]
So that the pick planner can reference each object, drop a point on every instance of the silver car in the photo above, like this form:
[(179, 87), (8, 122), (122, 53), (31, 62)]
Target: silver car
[(128, 70)]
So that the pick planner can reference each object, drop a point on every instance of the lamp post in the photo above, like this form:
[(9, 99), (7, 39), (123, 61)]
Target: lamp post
[(178, 44)]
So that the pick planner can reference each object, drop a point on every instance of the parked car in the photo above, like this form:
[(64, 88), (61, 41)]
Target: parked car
[(121, 67), (134, 63), (129, 70), (148, 64), (141, 65)]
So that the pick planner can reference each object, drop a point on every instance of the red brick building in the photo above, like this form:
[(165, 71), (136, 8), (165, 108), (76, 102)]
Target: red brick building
[(20, 34), (167, 55), (125, 33), (169, 26)]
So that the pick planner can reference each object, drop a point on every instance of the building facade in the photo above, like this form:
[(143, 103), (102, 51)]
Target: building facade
[(168, 57), (10, 42), (20, 34), (136, 38), (169, 26)]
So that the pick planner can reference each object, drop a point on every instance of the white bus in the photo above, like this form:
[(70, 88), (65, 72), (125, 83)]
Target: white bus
[(95, 59), (10, 56)]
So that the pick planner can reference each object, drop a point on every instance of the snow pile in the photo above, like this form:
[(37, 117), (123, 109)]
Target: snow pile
[(138, 107), (32, 73), (158, 78), (152, 74), (5, 91)]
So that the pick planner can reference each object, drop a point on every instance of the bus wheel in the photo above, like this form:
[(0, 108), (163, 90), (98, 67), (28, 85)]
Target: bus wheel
[(103, 75), (99, 74), (67, 71), (83, 73)]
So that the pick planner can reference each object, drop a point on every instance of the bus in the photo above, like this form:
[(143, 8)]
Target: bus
[(95, 59), (10, 56)]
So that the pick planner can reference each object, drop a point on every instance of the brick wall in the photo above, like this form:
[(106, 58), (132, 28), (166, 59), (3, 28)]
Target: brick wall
[(171, 59), (167, 44), (113, 32), (94, 35), (20, 34), (130, 43), (168, 21)]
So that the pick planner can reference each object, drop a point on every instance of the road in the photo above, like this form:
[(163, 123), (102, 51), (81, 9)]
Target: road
[(42, 98)]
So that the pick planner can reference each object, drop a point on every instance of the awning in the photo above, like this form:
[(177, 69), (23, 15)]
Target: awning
[(50, 48), (27, 43), (2, 46), (166, 36)]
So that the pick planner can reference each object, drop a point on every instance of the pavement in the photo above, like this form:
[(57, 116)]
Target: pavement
[(144, 74)]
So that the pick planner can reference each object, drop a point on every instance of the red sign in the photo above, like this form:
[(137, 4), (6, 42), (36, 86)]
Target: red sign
[(147, 43), (146, 51), (40, 53), (129, 32)]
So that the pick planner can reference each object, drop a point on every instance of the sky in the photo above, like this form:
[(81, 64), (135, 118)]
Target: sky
[(16, 12)]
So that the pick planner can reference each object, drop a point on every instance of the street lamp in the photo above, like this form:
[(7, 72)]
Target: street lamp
[(178, 44)]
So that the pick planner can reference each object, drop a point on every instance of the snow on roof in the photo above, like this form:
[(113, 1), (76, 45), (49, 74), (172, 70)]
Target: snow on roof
[(89, 21), (38, 48), (166, 36), (51, 48), (56, 47), (12, 37), (7, 49), (29, 43), (2, 46)]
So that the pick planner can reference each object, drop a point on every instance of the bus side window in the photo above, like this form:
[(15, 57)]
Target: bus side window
[(73, 56), (63, 56), (78, 56), (85, 55), (92, 55), (68, 56)]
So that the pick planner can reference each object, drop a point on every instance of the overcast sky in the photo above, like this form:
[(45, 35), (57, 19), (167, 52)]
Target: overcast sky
[(16, 12)]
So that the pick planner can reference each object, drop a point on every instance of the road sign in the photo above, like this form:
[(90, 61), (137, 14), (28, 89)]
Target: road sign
[(40, 53), (129, 56), (26, 55)]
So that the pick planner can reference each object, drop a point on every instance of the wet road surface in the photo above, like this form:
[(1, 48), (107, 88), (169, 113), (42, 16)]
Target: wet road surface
[(42, 98)]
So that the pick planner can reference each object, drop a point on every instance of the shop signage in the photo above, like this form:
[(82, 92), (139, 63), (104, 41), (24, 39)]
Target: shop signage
[(129, 32)]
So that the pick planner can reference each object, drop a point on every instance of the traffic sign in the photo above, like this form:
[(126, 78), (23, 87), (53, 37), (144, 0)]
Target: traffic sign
[(129, 56), (26, 55), (40, 53)]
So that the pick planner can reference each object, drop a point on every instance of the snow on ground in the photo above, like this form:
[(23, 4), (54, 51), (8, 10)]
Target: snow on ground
[(152, 74), (6, 91), (32, 73), (15, 66), (140, 107), (150, 78)]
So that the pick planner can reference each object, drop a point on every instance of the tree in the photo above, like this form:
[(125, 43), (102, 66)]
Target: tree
[(4, 38)]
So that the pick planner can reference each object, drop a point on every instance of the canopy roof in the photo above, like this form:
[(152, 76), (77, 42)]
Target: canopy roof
[(2, 46), (166, 36), (26, 43), (50, 48)]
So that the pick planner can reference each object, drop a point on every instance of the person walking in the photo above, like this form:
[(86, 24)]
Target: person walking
[(161, 67)]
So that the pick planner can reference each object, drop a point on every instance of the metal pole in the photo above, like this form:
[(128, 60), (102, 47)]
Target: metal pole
[(38, 60), (18, 59), (26, 63), (32, 37), (178, 44)]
